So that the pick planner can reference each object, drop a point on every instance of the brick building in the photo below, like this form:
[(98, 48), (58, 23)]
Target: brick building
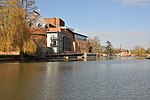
[(37, 27), (62, 38), (52, 32), (54, 22), (81, 43), (58, 38), (39, 36)]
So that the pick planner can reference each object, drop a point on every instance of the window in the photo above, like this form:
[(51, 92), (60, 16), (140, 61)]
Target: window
[(53, 37), (53, 43), (39, 25), (80, 37), (30, 24)]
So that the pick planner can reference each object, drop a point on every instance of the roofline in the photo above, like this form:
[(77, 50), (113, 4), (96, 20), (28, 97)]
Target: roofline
[(72, 30), (80, 34), (39, 34), (52, 32), (36, 12)]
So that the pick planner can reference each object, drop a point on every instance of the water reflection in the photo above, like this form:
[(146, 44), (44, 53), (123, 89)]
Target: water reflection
[(106, 80)]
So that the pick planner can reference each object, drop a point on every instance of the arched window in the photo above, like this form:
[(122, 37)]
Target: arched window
[(39, 25)]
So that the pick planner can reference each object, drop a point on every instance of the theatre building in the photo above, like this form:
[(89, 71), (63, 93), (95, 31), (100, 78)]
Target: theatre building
[(64, 39)]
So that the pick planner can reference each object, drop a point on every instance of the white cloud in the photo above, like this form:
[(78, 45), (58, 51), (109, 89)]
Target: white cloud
[(135, 2)]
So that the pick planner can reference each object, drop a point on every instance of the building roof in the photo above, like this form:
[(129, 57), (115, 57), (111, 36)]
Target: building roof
[(53, 22), (36, 12), (73, 32), (80, 34)]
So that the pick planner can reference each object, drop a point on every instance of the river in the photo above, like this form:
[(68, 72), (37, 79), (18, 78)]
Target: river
[(93, 80)]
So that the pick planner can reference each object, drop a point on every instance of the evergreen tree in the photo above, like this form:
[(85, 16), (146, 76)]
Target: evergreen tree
[(108, 48)]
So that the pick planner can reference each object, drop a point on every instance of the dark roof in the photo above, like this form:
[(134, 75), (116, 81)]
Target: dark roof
[(36, 12), (79, 34), (76, 33)]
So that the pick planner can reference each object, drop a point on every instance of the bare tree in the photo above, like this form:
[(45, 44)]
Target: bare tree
[(95, 46), (138, 51)]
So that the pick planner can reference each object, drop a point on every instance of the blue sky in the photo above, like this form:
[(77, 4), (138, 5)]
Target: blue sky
[(122, 22)]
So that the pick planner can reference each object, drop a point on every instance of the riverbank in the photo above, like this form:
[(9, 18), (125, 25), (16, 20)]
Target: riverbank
[(148, 57), (52, 58), (28, 59)]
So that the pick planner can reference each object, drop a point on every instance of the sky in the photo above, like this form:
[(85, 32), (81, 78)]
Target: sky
[(122, 22)]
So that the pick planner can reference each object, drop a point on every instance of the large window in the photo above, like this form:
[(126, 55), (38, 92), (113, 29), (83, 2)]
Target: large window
[(80, 37)]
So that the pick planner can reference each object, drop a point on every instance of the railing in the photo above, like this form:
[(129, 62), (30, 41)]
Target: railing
[(53, 38)]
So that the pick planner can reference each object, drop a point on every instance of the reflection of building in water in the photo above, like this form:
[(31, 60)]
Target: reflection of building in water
[(60, 76), (52, 69)]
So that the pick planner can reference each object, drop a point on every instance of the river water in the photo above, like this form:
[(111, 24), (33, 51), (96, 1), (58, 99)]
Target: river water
[(94, 80)]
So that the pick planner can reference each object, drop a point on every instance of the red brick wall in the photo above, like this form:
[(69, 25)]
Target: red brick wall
[(57, 22), (81, 46), (58, 29), (67, 33), (39, 36)]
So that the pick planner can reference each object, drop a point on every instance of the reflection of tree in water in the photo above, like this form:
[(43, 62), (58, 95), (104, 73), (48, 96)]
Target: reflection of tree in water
[(60, 79)]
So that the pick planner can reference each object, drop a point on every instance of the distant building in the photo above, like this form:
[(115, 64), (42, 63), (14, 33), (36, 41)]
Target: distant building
[(124, 53)]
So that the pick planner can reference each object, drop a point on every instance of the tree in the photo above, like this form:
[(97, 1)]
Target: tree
[(108, 48), (14, 26), (116, 51), (138, 51), (7, 29), (95, 46), (148, 51)]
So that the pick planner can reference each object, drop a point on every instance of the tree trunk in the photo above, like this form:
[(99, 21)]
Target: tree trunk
[(21, 56)]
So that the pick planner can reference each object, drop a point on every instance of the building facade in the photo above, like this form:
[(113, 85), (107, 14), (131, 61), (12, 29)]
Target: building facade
[(81, 43), (52, 32), (38, 29), (64, 39), (39, 36), (35, 20), (124, 53), (59, 42)]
